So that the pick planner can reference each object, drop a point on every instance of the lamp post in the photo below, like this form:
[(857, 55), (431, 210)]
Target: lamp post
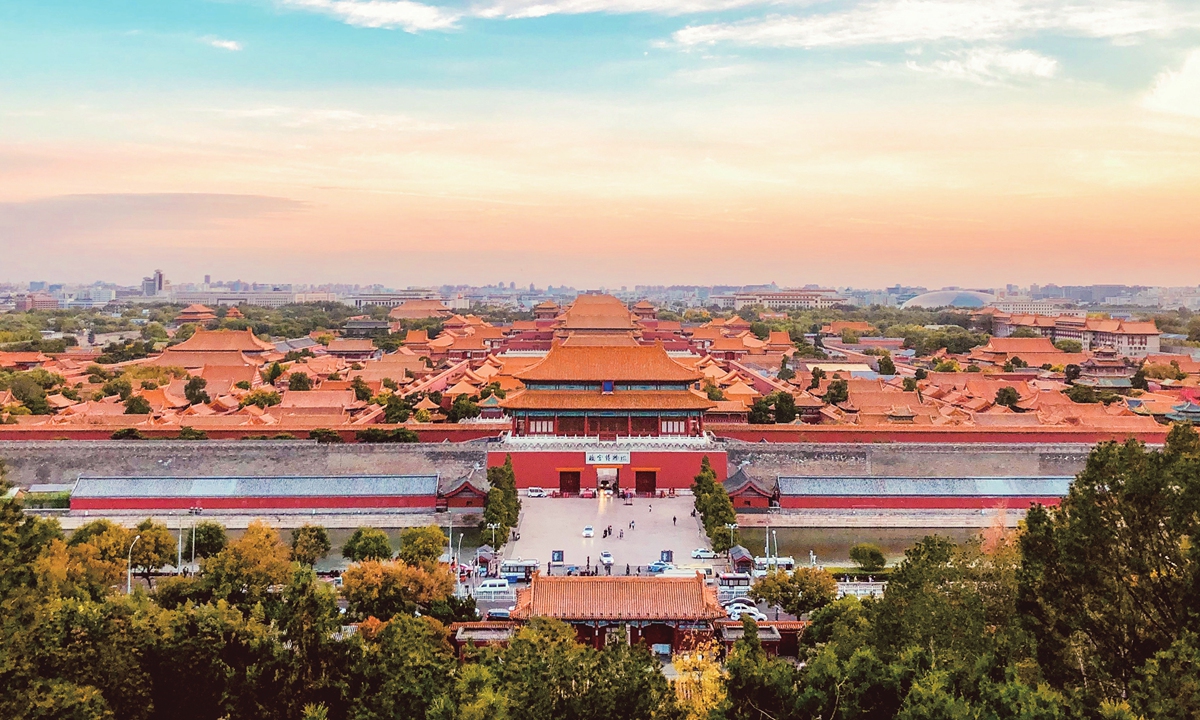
[(129, 566), (493, 527), (732, 527)]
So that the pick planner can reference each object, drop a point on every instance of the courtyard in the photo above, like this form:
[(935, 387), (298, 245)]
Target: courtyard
[(549, 524)]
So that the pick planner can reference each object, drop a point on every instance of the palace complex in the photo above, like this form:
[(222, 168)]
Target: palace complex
[(600, 395)]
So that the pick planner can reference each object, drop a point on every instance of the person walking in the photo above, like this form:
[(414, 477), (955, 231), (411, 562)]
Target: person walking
[(673, 519), (651, 508)]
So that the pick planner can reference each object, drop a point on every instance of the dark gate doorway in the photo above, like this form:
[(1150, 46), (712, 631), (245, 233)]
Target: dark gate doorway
[(568, 482), (607, 479), (645, 482)]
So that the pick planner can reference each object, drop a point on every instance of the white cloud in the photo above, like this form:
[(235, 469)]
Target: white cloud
[(224, 44), (909, 21), (1177, 91), (988, 65), (403, 14), (541, 8)]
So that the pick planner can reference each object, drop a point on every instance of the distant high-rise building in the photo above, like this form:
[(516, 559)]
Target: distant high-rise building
[(37, 286), (208, 279)]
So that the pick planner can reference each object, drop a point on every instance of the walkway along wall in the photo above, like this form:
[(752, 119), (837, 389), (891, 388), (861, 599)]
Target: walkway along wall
[(65, 461)]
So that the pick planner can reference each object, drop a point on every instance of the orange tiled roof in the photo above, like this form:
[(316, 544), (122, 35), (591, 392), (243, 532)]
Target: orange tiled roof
[(419, 309), (596, 400), (597, 364), (222, 341), (618, 598), (597, 312)]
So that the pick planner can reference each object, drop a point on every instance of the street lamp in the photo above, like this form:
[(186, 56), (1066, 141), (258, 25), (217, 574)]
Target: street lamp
[(493, 527), (732, 527), (129, 567)]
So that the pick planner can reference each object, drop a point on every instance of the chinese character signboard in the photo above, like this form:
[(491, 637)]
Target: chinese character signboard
[(607, 457)]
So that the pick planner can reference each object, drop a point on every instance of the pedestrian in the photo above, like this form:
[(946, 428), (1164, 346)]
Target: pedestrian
[(622, 535), (630, 524), (651, 508), (626, 568), (673, 519)]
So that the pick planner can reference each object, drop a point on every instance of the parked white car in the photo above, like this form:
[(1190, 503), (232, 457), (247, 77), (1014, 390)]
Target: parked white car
[(589, 531), (703, 554), (755, 615), (536, 492), (606, 558)]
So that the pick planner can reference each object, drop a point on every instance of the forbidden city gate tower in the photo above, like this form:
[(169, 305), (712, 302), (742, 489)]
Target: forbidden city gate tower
[(607, 416)]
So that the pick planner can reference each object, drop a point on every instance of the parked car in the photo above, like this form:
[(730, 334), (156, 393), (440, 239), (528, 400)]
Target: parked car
[(660, 566), (536, 492), (703, 554), (755, 615), (606, 558), (743, 600), (493, 585), (740, 607), (589, 531), (499, 614)]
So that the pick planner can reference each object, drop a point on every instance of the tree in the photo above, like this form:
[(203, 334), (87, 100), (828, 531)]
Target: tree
[(385, 589), (299, 381), (715, 508), (1008, 397), (868, 556), (1072, 372), (1024, 332), (1113, 570), (137, 405), (402, 669), (798, 593), (155, 548), (210, 540), (785, 407), (194, 390), (760, 413), (367, 543), (838, 392), (785, 372), (910, 384), (362, 391), (713, 392), (190, 433), (421, 545), (248, 567), (817, 376), (1082, 394), (887, 366), (462, 408), (120, 386), (273, 372), (310, 543), (325, 435), (1069, 346), (262, 397), (700, 684), (396, 409)]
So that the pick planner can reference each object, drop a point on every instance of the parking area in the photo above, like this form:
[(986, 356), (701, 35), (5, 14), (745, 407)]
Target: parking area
[(549, 524)]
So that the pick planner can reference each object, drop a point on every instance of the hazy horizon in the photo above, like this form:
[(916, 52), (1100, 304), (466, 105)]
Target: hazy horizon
[(657, 142)]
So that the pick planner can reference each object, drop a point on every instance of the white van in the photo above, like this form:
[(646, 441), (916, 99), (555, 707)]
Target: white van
[(493, 585)]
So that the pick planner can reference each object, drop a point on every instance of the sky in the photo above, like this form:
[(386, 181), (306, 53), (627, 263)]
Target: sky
[(601, 142)]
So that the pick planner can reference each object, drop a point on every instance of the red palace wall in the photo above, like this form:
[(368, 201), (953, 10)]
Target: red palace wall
[(926, 434), (912, 502), (675, 470), (254, 503)]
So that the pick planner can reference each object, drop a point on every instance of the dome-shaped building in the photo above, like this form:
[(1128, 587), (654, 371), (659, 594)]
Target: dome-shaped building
[(950, 298)]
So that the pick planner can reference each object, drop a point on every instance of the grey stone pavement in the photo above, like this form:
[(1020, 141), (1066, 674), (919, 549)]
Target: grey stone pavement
[(557, 524)]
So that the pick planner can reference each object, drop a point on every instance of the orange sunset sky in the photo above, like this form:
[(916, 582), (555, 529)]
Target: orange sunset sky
[(658, 142)]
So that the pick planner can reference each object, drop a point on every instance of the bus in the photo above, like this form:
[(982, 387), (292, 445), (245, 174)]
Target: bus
[(732, 585), (764, 565), (518, 570)]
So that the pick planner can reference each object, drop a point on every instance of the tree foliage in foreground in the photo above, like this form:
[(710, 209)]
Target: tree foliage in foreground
[(1089, 612)]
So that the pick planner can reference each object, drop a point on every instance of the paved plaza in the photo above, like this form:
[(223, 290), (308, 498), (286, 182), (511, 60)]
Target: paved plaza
[(557, 524)]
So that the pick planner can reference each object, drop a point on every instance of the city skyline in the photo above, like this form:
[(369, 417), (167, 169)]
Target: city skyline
[(601, 144)]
